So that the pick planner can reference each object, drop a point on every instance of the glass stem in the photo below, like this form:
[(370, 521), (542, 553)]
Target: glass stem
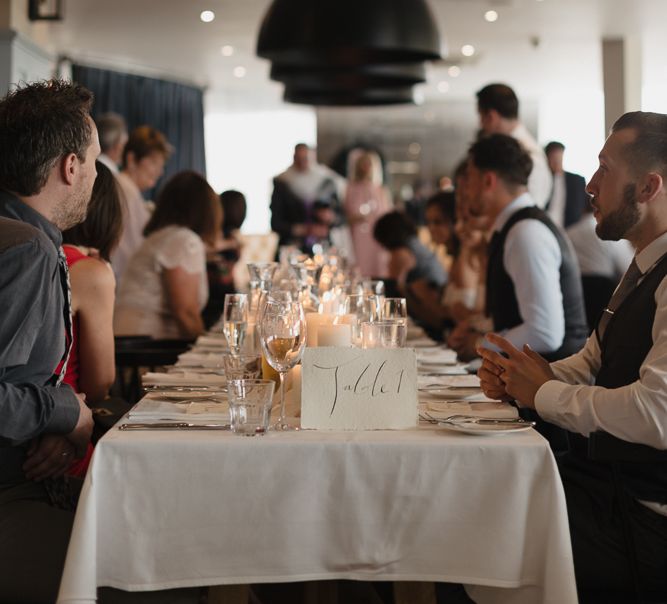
[(282, 419)]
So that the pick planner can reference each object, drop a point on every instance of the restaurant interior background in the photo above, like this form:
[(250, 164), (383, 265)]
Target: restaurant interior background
[(550, 51)]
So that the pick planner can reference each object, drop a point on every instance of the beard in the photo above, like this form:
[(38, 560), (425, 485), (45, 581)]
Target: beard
[(615, 225), (71, 211)]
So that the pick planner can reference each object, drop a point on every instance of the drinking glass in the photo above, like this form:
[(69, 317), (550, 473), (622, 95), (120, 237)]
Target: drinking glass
[(261, 276), (395, 308), (242, 366), (374, 286), (355, 305), (249, 405), (282, 329), (235, 320), (384, 334)]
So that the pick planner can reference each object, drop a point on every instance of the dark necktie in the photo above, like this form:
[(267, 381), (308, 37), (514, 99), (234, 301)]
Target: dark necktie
[(67, 311), (627, 284)]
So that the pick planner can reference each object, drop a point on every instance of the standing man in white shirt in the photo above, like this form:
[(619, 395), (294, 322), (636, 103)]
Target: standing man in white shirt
[(617, 384), (568, 200), (498, 108), (113, 137)]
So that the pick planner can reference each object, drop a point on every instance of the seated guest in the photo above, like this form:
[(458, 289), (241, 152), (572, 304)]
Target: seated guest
[(165, 289), (440, 216), (222, 259), (533, 286), (568, 200), (617, 383), (412, 266), (91, 366), (602, 264), (112, 131), (144, 156), (48, 146)]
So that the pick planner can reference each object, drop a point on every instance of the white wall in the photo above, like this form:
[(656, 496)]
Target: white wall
[(245, 150)]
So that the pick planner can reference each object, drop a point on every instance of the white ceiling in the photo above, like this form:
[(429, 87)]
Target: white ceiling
[(533, 43)]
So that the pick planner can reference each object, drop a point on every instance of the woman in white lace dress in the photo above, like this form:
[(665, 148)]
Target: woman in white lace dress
[(164, 288)]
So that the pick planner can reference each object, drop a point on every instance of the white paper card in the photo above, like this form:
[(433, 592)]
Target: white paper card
[(354, 389)]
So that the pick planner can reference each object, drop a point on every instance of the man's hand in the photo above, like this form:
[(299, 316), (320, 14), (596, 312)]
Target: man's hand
[(464, 341), (80, 436), (522, 373), (490, 382), (49, 455)]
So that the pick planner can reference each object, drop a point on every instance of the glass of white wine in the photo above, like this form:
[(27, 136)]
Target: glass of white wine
[(235, 321), (282, 329)]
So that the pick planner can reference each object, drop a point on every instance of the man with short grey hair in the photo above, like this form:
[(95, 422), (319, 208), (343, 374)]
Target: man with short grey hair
[(112, 131)]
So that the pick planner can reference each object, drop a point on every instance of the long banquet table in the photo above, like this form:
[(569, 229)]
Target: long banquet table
[(175, 509)]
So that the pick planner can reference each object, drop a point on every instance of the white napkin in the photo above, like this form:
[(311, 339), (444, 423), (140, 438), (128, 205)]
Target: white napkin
[(433, 357), (212, 340), (200, 359), (451, 381), (184, 378), (490, 409), (155, 410)]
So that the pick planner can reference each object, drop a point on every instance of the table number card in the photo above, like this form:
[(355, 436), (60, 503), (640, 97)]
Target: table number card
[(355, 389)]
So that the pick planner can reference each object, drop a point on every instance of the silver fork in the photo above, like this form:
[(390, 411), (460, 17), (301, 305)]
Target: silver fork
[(484, 421)]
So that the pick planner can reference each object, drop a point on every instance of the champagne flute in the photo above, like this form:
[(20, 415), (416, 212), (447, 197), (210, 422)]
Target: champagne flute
[(235, 320), (283, 336)]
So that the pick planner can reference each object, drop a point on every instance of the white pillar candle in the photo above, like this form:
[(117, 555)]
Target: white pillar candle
[(334, 335), (296, 384), (312, 324)]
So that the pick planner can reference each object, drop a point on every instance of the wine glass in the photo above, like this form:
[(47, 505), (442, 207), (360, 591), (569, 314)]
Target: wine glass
[(235, 320), (282, 329)]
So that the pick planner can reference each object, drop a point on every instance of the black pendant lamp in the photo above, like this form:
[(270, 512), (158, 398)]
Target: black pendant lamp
[(346, 52)]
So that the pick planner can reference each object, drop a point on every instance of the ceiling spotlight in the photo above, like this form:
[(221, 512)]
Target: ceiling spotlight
[(414, 148), (467, 50), (207, 16), (443, 86), (454, 71), (491, 16), (227, 50), (239, 72)]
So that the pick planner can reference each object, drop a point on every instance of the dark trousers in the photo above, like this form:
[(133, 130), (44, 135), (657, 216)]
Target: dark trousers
[(34, 536), (601, 560)]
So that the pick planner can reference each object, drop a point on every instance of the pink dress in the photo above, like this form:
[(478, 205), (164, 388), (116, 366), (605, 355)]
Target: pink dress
[(368, 202)]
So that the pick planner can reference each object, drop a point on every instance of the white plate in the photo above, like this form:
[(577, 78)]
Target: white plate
[(484, 429)]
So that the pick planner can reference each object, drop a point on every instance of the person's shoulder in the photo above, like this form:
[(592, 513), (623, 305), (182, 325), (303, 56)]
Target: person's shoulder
[(17, 236)]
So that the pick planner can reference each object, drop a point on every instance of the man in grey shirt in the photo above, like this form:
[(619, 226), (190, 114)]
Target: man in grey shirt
[(48, 147)]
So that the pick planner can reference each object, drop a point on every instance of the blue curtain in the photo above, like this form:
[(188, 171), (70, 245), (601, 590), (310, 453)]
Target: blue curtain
[(177, 110)]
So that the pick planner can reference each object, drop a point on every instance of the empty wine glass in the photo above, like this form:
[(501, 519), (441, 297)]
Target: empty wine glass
[(283, 336), (235, 320)]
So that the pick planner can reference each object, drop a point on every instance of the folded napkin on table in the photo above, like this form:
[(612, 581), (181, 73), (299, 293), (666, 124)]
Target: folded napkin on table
[(183, 378), (200, 359), (488, 408), (436, 356), (450, 381), (150, 409), (212, 340)]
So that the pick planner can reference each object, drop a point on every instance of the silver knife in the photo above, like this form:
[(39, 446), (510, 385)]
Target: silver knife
[(173, 426)]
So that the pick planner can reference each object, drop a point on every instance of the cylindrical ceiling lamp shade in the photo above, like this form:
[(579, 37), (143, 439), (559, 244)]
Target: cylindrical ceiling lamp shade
[(348, 32), (348, 98), (364, 76)]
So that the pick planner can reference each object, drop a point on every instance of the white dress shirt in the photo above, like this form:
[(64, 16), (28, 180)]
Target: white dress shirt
[(636, 412), (597, 257), (532, 259), (108, 162), (556, 209), (540, 179)]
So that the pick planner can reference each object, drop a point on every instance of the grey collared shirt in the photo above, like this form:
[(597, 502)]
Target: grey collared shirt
[(32, 335)]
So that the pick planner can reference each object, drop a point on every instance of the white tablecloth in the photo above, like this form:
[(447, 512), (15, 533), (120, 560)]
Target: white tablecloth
[(165, 509)]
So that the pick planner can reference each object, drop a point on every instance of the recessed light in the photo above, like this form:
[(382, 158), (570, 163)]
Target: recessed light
[(467, 50), (239, 72), (227, 50), (491, 16), (454, 71), (207, 16), (414, 148), (443, 86)]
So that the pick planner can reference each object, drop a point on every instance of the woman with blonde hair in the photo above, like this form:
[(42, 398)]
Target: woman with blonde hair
[(366, 200)]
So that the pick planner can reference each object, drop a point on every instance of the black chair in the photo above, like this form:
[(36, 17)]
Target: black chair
[(135, 353), (597, 293), (604, 447)]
